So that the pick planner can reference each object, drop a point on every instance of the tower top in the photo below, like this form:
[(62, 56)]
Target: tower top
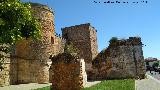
[(86, 25), (131, 41), (41, 6)]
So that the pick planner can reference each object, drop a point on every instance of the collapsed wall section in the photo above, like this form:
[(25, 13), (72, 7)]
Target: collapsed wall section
[(122, 59), (68, 72)]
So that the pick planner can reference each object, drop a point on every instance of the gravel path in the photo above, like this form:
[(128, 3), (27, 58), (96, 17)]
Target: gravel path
[(154, 74), (91, 83), (151, 83), (30, 86)]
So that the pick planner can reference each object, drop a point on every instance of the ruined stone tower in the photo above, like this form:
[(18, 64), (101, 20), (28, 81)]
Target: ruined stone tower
[(84, 37), (29, 61), (32, 55)]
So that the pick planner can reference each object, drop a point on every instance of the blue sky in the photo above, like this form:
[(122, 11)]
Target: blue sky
[(121, 20)]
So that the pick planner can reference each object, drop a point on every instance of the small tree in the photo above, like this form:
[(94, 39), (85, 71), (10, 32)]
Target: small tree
[(16, 23), (156, 64), (70, 48)]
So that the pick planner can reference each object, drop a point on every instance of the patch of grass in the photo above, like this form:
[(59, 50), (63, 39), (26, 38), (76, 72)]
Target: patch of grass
[(128, 84)]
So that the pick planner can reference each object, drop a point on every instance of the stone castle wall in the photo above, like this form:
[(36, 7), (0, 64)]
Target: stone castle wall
[(9, 73), (123, 59), (30, 63), (93, 42), (57, 45)]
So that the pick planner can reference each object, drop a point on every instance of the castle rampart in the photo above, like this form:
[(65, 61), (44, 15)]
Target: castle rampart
[(30, 63)]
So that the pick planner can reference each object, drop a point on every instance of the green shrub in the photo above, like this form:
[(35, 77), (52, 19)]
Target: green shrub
[(69, 48), (156, 64), (113, 39)]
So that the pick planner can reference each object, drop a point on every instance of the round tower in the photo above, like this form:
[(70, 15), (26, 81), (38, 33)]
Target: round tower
[(33, 56)]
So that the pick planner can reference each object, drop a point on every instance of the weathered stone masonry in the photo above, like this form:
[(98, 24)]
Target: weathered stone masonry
[(33, 56), (125, 57), (8, 75), (29, 61), (84, 38), (68, 72)]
